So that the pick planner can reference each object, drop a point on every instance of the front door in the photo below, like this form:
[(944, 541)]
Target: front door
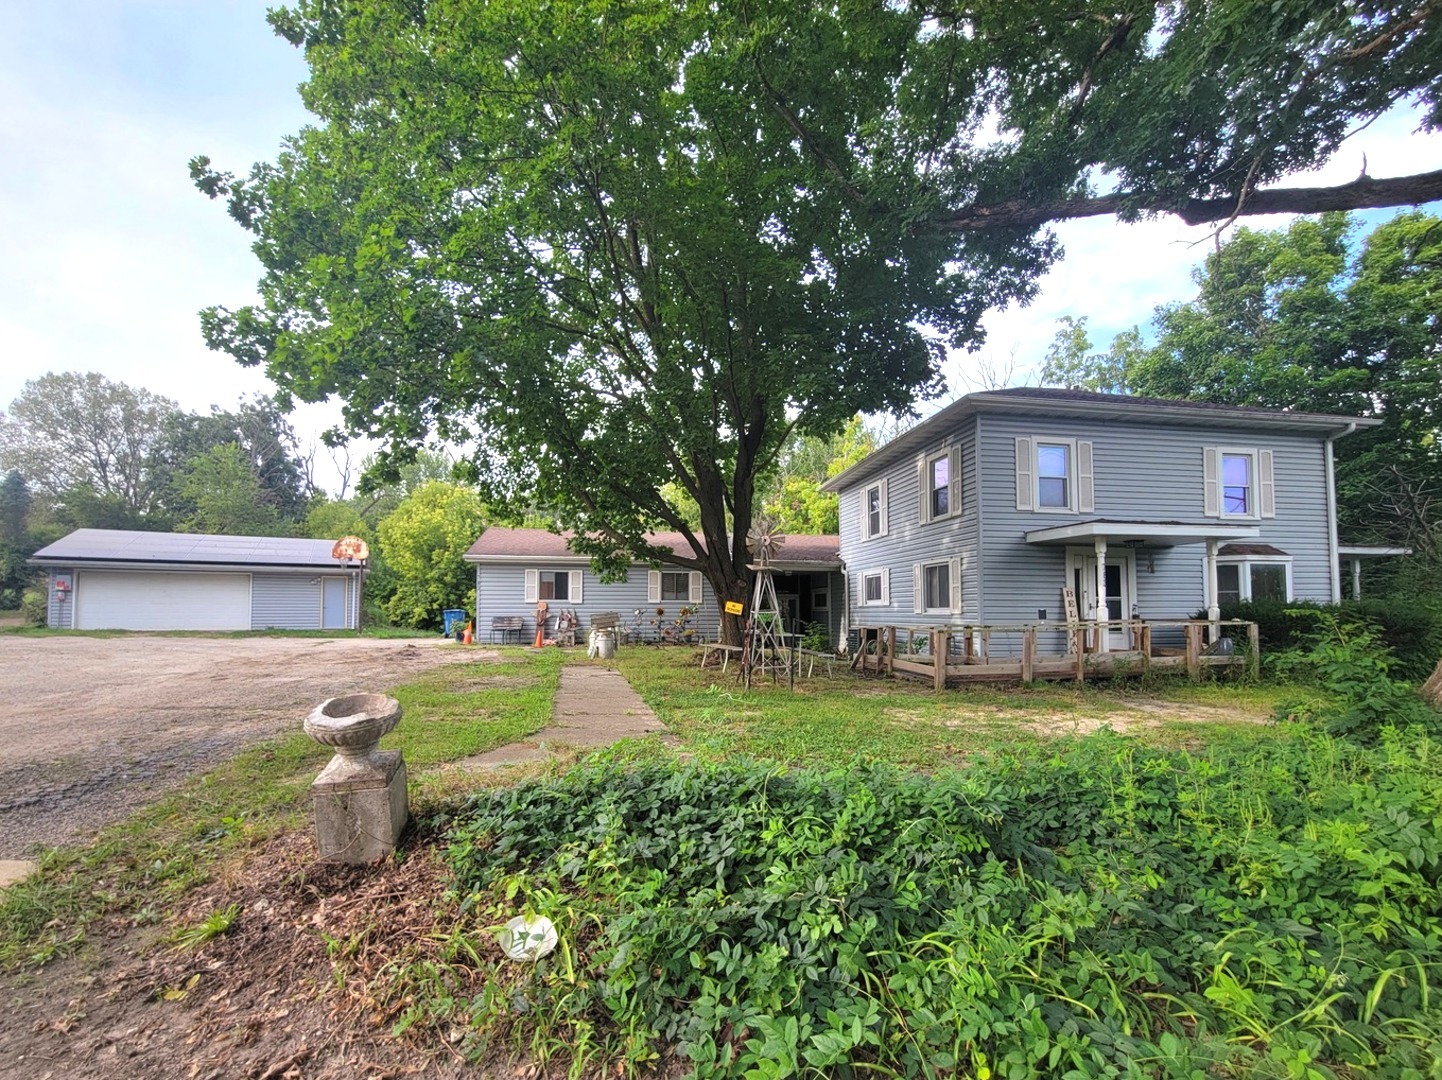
[(1119, 594), (332, 610)]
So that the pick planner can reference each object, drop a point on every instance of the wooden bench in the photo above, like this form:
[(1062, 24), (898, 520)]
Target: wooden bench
[(506, 625)]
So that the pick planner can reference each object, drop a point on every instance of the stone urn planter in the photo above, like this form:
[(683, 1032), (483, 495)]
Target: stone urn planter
[(360, 796)]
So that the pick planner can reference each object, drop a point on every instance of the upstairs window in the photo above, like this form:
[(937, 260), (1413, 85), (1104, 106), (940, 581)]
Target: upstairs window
[(1238, 482), (1237, 499), (873, 510), (939, 477), (1053, 476)]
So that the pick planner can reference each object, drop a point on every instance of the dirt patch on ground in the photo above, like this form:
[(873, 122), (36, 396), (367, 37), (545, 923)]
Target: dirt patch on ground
[(1133, 714), (93, 728), (262, 1000)]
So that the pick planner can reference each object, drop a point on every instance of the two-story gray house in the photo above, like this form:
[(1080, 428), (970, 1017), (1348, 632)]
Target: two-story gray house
[(1008, 504)]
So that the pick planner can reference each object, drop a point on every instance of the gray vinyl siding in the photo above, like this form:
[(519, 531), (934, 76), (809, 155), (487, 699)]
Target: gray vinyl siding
[(293, 601), (501, 591), (60, 614), (909, 540), (1143, 472)]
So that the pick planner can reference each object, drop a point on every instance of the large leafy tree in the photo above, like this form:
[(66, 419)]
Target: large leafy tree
[(225, 494), (83, 438), (625, 244)]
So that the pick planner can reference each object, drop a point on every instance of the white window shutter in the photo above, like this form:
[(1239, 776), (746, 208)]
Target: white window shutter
[(1086, 487), (653, 586), (695, 583), (533, 585), (886, 586), (575, 589), (1266, 484), (955, 576), (1025, 470), (953, 497), (1211, 488), (885, 510), (918, 600), (923, 491)]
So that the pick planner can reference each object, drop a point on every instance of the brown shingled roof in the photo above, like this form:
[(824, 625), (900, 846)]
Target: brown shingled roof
[(543, 544)]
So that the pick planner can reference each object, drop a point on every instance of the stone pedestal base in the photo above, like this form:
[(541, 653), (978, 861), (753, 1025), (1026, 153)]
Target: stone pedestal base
[(359, 814)]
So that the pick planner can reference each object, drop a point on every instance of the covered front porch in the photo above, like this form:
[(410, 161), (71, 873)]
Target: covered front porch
[(1112, 583)]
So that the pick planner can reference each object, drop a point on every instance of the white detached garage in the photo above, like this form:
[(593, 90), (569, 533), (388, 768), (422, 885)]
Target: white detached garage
[(108, 579)]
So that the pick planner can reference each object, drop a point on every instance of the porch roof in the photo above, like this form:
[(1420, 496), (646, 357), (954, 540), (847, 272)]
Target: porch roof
[(1142, 533), (1370, 551)]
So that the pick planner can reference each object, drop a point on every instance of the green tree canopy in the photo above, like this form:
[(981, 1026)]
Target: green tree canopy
[(73, 433), (423, 543), (621, 245), (223, 486)]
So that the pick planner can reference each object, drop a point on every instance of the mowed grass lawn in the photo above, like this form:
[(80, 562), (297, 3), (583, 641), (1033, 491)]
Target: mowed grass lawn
[(836, 720)]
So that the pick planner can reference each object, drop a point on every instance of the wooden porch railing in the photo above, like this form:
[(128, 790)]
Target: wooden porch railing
[(991, 652)]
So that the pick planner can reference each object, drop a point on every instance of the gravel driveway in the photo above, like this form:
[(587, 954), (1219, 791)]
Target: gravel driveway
[(149, 711)]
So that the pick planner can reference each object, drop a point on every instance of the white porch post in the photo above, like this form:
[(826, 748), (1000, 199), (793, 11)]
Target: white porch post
[(1356, 579), (1101, 613), (1214, 604)]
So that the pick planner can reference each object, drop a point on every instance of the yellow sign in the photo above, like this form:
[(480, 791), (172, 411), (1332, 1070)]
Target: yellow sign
[(733, 607)]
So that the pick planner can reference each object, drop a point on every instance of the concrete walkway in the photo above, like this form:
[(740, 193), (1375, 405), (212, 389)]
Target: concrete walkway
[(594, 707)]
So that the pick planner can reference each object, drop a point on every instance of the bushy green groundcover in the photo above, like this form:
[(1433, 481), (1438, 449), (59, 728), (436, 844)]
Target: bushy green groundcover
[(1101, 910)]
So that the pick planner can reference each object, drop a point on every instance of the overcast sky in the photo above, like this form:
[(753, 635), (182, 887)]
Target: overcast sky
[(109, 252)]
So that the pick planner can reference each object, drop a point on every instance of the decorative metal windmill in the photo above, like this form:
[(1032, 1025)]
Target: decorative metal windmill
[(766, 647)]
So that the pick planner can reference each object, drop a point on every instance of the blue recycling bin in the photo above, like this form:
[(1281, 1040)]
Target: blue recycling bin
[(453, 620)]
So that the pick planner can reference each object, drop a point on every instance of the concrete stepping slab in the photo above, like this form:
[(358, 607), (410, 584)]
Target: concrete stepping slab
[(14, 870)]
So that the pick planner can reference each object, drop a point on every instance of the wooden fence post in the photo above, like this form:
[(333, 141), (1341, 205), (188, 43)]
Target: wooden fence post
[(1028, 653), (1145, 637), (1254, 642), (1194, 650), (938, 658), (1081, 658)]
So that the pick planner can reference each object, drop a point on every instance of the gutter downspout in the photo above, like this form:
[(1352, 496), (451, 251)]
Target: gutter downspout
[(1334, 559)]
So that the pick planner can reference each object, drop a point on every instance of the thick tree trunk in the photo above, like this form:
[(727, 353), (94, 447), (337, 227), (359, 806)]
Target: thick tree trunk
[(1432, 689)]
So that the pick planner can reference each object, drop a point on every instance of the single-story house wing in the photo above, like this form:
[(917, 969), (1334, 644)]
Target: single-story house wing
[(111, 579), (516, 569)]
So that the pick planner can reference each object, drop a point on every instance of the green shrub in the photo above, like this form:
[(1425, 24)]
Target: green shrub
[(1352, 667), (34, 606), (1104, 911), (1412, 630)]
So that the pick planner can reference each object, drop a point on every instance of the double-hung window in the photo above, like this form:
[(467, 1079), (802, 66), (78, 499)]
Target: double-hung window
[(553, 585), (874, 588), (1238, 470), (675, 585), (873, 510), (1054, 475), (939, 480), (937, 587), (1238, 482)]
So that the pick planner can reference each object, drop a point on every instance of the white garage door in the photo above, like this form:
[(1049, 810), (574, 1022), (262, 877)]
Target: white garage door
[(160, 600)]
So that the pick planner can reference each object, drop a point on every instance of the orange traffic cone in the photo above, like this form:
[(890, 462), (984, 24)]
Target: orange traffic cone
[(466, 637)]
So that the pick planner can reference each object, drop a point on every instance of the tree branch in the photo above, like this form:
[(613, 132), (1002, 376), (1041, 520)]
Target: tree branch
[(1363, 193)]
